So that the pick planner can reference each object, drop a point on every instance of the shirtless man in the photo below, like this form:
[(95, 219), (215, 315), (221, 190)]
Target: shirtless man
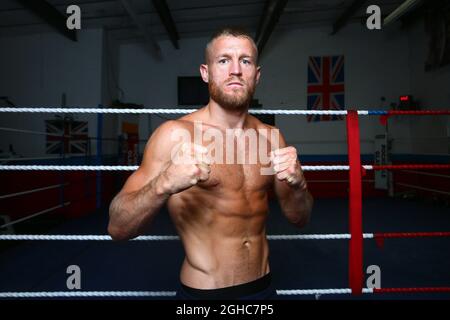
[(219, 209)]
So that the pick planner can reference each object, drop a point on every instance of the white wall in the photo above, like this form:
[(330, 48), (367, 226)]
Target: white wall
[(110, 90), (432, 90), (153, 83), (37, 69), (376, 65)]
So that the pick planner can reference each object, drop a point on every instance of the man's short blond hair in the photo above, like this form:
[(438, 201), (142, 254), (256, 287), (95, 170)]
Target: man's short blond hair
[(231, 32)]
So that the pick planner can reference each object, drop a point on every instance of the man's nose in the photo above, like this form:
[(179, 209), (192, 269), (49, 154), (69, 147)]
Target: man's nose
[(235, 68)]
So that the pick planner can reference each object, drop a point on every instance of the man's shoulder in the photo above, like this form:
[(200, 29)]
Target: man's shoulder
[(184, 123), (174, 124), (261, 125), (165, 136)]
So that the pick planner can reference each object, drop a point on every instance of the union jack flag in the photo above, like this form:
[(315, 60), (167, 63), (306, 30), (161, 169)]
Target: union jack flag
[(326, 86), (69, 137)]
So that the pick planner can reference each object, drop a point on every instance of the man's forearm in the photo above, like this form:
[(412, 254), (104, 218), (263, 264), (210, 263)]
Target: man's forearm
[(131, 212), (298, 206)]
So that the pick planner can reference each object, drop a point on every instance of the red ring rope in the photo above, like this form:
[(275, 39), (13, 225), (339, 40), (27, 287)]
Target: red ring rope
[(419, 112), (411, 290), (384, 118), (411, 166), (379, 237), (410, 234), (355, 205)]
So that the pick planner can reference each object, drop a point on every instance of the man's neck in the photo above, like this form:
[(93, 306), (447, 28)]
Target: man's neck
[(228, 119)]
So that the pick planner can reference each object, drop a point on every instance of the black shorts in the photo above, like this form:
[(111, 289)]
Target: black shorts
[(259, 289)]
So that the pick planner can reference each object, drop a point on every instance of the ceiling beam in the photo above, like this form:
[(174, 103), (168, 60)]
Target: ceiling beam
[(150, 41), (166, 18), (347, 15), (51, 16), (400, 11), (271, 14)]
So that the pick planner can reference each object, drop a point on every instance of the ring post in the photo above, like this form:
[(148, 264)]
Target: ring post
[(62, 159), (98, 158), (355, 204)]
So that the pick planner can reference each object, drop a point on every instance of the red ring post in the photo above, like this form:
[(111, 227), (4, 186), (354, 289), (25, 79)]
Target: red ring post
[(355, 267)]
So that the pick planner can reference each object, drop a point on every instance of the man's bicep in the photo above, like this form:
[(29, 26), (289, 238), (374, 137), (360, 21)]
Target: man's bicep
[(148, 170), (142, 176)]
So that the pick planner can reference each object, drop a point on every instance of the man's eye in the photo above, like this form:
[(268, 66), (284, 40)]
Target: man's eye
[(246, 61), (222, 61)]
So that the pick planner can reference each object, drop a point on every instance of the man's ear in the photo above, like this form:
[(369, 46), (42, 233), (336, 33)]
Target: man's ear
[(204, 72), (258, 74)]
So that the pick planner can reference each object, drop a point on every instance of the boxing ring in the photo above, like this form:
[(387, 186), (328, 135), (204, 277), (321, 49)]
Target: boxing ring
[(355, 237)]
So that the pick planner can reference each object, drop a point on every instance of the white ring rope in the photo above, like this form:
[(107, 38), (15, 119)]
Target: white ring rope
[(71, 294), (422, 188), (34, 132), (320, 291), (34, 215), (12, 195), (133, 168), (36, 158), (67, 294), (47, 294), (174, 111), (67, 168), (90, 237)]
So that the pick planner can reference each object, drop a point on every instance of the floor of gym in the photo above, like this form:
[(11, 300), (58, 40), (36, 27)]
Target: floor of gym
[(295, 264)]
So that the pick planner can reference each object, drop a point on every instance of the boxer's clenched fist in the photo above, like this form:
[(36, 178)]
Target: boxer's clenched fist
[(287, 167), (188, 166)]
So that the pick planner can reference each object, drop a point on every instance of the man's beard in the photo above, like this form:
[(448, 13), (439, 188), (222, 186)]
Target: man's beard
[(239, 100)]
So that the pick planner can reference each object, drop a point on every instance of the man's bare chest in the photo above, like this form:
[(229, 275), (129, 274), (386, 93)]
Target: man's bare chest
[(237, 177)]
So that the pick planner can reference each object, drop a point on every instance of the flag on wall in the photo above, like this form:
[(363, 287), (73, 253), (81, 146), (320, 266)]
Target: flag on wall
[(75, 136), (326, 89)]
